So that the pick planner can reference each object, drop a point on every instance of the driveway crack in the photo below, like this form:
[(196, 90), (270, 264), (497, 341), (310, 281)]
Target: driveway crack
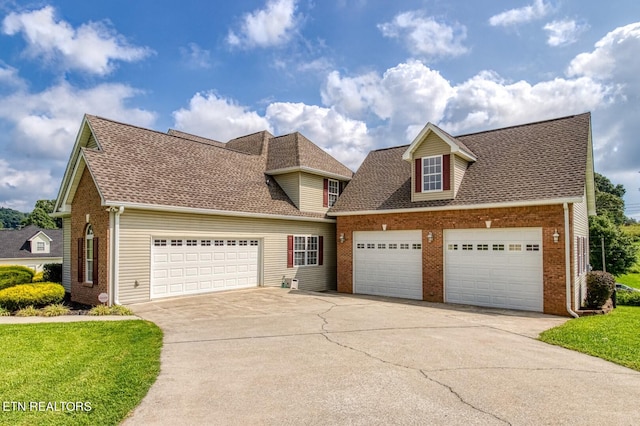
[(423, 373)]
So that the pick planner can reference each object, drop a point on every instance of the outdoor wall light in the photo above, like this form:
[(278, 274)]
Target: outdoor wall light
[(384, 226), (341, 238), (430, 237), (488, 223), (556, 236)]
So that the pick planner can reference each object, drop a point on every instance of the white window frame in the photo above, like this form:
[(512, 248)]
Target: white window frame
[(423, 175), (88, 255), (40, 246), (305, 250), (333, 193)]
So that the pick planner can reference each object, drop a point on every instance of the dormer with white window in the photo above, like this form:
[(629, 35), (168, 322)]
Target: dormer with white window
[(438, 162), (40, 243)]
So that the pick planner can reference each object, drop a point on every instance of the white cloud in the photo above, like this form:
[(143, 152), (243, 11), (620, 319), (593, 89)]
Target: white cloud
[(46, 123), (218, 118), (271, 26), (92, 47), (15, 183), (195, 57), (562, 33), (9, 76), (407, 94), (344, 138), (426, 37), (528, 13)]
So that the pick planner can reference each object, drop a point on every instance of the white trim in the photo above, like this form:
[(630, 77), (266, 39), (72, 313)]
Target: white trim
[(306, 250), (461, 207), (567, 260), (307, 170), (430, 174), (39, 233), (329, 193), (430, 127), (211, 212)]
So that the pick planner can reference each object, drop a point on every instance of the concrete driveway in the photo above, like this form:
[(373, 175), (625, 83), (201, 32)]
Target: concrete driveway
[(274, 356)]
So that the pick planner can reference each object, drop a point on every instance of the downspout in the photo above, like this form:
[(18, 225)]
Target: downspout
[(116, 254), (567, 259)]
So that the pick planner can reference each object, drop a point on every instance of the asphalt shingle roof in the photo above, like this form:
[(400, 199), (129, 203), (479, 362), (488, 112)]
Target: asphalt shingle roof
[(14, 244), (137, 165), (537, 161)]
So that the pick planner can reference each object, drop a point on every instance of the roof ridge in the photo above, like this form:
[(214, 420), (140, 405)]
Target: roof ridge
[(524, 124), (390, 147)]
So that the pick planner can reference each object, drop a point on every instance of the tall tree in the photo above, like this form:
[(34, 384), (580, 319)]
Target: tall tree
[(40, 215), (609, 200), (11, 218)]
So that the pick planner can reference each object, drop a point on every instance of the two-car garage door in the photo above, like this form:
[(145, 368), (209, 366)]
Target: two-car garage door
[(485, 267), (181, 266)]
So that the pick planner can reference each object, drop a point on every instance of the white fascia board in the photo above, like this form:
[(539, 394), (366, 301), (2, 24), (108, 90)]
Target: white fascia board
[(590, 178), (430, 127), (40, 233), (192, 210), (462, 207), (284, 170), (71, 165)]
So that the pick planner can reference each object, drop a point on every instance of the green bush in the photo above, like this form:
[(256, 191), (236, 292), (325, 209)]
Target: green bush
[(11, 275), (628, 298), (39, 294), (38, 277), (4, 312), (54, 310), (100, 310), (29, 311), (53, 272), (600, 286)]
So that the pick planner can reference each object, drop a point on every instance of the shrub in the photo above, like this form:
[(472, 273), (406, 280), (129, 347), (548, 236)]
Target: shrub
[(38, 277), (100, 310), (628, 298), (54, 310), (39, 294), (29, 311), (14, 274), (600, 286), (53, 272), (120, 310), (4, 312)]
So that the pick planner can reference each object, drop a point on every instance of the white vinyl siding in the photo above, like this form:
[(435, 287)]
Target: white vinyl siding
[(311, 193), (459, 168), (290, 184), (137, 229), (66, 253), (430, 147), (580, 229)]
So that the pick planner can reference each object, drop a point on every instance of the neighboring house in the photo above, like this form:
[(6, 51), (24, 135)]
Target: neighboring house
[(30, 246), (148, 215), (496, 218)]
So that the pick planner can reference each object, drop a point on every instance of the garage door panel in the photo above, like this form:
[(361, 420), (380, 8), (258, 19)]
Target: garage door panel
[(388, 263), (190, 266), (496, 270)]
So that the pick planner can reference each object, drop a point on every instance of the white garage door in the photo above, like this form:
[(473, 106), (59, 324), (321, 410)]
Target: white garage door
[(388, 263), (192, 266), (494, 267)]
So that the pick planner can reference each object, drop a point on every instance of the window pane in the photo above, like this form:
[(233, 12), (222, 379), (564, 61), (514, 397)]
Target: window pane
[(298, 259)]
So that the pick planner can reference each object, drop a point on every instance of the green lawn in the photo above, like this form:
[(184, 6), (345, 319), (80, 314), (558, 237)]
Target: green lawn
[(632, 279), (108, 365), (613, 337)]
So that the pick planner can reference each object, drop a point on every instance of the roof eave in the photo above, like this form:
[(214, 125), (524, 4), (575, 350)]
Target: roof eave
[(194, 210), (310, 170), (432, 128), (530, 203)]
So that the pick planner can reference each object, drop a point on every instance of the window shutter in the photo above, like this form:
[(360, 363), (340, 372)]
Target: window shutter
[(341, 186), (325, 193), (446, 172), (80, 260), (320, 250), (418, 175), (289, 251), (95, 260)]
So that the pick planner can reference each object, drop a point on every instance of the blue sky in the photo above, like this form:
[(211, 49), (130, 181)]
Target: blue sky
[(352, 75)]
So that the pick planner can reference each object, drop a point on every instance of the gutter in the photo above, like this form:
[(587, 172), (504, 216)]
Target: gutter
[(567, 259), (114, 230)]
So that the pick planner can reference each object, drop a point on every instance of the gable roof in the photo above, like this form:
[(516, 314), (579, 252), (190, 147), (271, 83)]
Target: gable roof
[(14, 243), (532, 163), (457, 146), (143, 168), (294, 152)]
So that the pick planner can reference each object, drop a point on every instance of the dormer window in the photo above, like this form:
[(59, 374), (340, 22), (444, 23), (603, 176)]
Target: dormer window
[(432, 173), (333, 191), (40, 246)]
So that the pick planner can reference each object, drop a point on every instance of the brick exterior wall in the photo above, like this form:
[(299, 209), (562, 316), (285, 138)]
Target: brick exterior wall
[(549, 218), (87, 201)]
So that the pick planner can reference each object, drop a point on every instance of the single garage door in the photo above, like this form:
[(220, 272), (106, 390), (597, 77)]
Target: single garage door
[(181, 266), (494, 267), (388, 263)]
